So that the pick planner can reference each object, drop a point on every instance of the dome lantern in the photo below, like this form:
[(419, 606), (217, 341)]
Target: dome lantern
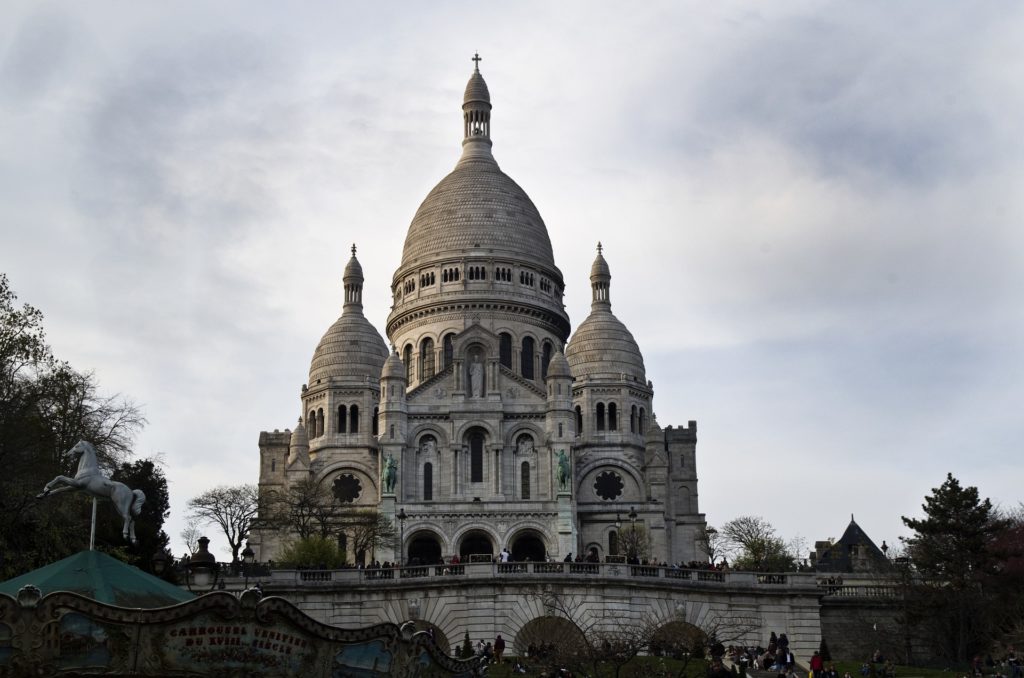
[(353, 281), (476, 107), (600, 282)]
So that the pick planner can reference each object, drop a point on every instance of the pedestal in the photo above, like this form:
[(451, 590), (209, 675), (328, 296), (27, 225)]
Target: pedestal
[(566, 526), (387, 510)]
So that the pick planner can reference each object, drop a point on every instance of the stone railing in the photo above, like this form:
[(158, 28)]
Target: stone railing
[(521, 570), (859, 590)]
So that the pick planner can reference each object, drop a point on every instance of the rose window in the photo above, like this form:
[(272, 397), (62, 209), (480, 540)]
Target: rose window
[(608, 485), (347, 488)]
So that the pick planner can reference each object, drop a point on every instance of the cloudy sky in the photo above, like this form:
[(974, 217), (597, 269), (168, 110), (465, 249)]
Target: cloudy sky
[(812, 212)]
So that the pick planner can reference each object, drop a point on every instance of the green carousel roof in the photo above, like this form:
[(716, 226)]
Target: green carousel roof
[(103, 578)]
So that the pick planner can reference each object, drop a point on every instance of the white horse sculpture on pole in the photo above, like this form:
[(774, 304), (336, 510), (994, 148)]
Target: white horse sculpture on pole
[(90, 479)]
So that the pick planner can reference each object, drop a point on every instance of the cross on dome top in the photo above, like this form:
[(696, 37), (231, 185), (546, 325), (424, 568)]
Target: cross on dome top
[(476, 61), (353, 249)]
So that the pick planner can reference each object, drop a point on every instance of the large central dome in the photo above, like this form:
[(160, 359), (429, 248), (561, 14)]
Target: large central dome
[(478, 209)]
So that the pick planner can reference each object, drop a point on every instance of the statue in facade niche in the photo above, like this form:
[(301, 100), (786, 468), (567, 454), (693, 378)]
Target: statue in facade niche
[(90, 479), (563, 471), (389, 474), (525, 445), (476, 378), (428, 446)]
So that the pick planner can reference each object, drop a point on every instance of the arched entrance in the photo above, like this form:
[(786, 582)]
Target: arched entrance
[(528, 545), (475, 543), (547, 636), (424, 549), (677, 639)]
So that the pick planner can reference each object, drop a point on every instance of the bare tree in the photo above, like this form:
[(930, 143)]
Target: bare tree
[(755, 545), (635, 542), (233, 509), (307, 508), (367, 529), (191, 534), (712, 542)]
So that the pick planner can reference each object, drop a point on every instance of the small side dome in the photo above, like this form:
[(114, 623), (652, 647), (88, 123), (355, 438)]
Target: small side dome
[(558, 368), (299, 437), (602, 348), (351, 350), (394, 368)]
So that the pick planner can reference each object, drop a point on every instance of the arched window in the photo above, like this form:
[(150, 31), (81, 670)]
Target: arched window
[(505, 349), (353, 416), (632, 420), (428, 482), (427, 359), (613, 543), (449, 350), (600, 416), (642, 422), (341, 418), (526, 369), (408, 362), (320, 422), (476, 457), (525, 480), (376, 421), (311, 424), (613, 417), (545, 359), (579, 421), (444, 275)]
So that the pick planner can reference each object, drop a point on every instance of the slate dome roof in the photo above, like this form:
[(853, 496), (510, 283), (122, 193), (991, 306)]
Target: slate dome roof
[(602, 346), (351, 348), (477, 208), (393, 367)]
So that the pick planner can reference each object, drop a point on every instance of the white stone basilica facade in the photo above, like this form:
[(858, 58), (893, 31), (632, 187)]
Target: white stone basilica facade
[(464, 424)]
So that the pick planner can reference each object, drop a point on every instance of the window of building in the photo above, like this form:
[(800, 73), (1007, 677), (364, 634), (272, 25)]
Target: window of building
[(311, 424), (579, 420), (525, 480), (320, 422), (407, 356), (613, 543), (505, 349), (609, 485), (476, 457), (342, 414), (427, 358), (642, 421), (376, 421), (632, 419), (449, 349), (527, 361), (545, 360), (613, 417), (600, 416), (353, 416), (428, 481)]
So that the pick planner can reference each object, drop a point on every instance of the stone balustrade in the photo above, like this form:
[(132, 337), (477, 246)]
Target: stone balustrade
[(668, 576)]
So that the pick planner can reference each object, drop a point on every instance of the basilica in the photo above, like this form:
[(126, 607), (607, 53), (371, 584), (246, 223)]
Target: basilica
[(485, 426)]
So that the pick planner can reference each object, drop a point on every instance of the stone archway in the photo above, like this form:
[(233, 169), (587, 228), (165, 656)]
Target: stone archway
[(423, 548), (678, 638), (528, 545), (546, 636), (475, 543), (440, 639)]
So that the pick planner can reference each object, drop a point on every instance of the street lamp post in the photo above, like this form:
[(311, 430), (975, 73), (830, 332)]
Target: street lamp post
[(203, 570), (401, 536)]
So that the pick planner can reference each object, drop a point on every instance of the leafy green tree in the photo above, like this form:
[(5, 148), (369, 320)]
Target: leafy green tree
[(313, 551), (958, 593), (45, 408), (145, 475)]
